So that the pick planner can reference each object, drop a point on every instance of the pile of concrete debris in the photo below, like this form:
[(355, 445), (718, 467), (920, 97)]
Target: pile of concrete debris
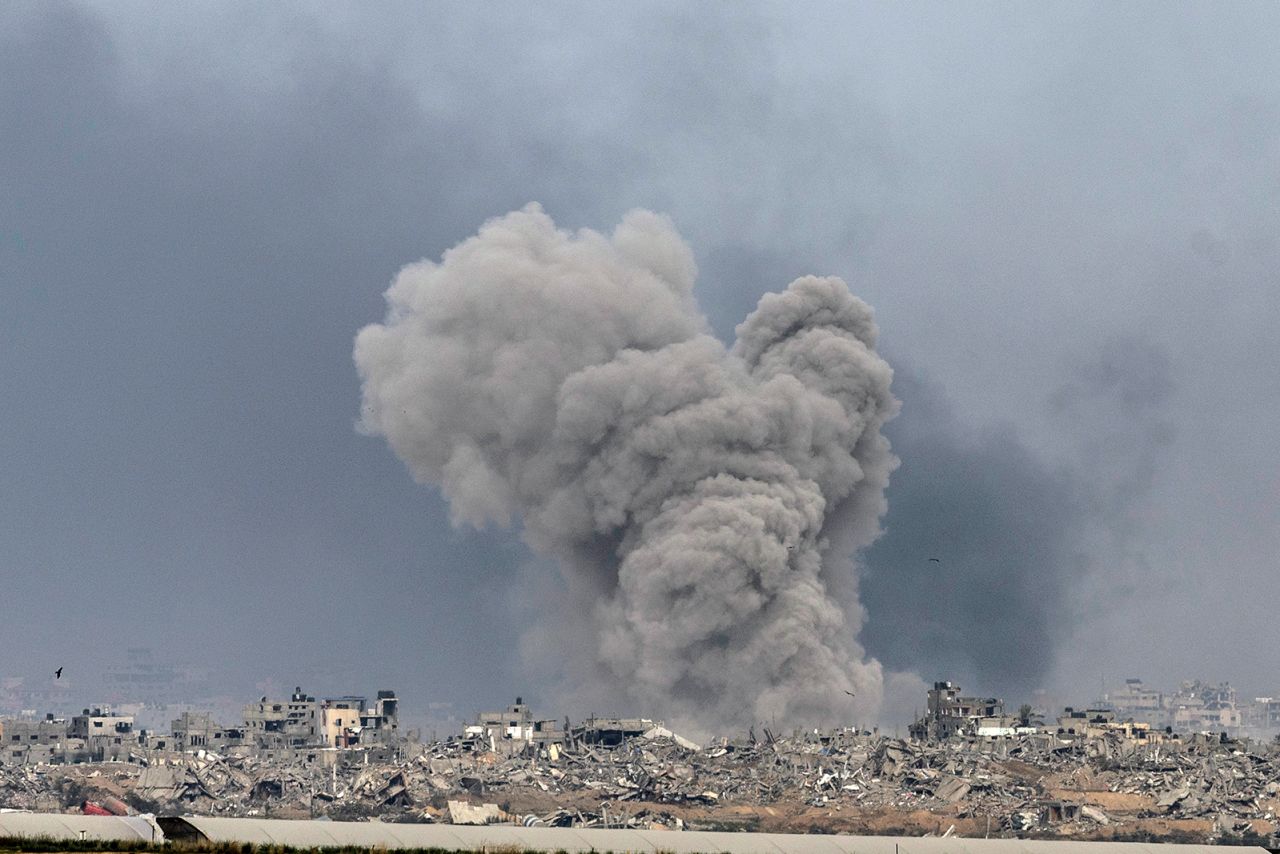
[(1205, 783), (1027, 782)]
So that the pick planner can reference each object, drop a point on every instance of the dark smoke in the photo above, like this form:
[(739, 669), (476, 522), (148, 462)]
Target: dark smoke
[(1029, 551), (1006, 529)]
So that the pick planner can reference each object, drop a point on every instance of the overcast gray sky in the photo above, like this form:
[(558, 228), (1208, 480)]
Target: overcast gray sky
[(1067, 220)]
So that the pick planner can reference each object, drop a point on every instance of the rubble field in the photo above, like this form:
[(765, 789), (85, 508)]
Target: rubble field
[(1204, 789)]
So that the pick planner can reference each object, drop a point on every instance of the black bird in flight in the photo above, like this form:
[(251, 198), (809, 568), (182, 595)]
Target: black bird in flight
[(57, 674), (851, 694), (934, 560)]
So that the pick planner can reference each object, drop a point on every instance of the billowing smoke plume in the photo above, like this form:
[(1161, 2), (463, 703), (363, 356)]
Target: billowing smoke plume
[(703, 503)]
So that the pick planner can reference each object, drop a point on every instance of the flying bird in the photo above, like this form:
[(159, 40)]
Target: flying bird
[(851, 694), (934, 560), (57, 674)]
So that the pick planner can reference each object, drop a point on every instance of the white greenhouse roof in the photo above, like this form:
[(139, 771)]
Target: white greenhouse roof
[(457, 837), (58, 826)]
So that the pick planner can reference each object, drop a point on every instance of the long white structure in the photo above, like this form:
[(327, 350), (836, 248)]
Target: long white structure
[(322, 834), (33, 825)]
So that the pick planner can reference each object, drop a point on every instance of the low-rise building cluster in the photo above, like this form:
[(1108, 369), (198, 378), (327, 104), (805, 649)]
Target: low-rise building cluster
[(275, 728), (301, 724), (1136, 712), (1197, 706)]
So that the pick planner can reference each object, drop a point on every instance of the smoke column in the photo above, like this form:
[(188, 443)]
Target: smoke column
[(703, 504)]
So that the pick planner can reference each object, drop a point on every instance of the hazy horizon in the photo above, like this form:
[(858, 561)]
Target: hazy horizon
[(1066, 220)]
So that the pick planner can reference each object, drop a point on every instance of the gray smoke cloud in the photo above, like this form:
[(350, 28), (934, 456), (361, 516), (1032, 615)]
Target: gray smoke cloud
[(1116, 404), (702, 502), (1118, 400)]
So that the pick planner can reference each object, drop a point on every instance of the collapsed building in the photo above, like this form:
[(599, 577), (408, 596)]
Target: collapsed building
[(516, 726), (1097, 723)]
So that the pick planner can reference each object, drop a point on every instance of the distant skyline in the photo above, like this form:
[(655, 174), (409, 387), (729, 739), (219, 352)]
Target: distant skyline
[(444, 717), (1067, 221)]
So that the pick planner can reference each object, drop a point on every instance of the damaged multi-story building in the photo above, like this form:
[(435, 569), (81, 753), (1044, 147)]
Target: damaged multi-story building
[(32, 740), (295, 722), (107, 736), (1200, 706), (192, 731), (1139, 702), (1263, 715), (351, 721), (948, 714), (304, 721)]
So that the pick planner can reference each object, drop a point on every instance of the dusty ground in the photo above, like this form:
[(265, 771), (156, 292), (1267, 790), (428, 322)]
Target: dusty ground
[(1130, 814), (798, 817)]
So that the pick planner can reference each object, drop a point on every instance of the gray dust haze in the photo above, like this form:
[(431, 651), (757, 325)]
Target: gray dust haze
[(1066, 218), (568, 380)]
